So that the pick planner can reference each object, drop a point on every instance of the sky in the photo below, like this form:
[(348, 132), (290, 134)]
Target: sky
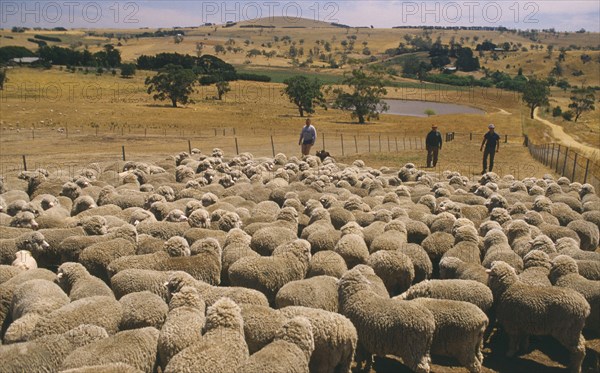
[(563, 15)]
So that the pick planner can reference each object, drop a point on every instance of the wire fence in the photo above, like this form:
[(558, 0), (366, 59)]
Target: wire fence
[(566, 162)]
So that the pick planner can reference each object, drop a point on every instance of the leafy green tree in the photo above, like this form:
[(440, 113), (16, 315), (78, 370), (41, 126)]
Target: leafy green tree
[(535, 94), (429, 112), (304, 93), (172, 83), (466, 61), (3, 78), (439, 54), (366, 99), (127, 70), (222, 88), (582, 101)]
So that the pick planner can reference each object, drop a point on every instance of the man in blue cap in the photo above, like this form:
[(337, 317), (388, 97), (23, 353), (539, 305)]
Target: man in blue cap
[(491, 141)]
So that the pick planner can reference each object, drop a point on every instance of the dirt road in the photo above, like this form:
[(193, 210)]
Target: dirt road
[(558, 133)]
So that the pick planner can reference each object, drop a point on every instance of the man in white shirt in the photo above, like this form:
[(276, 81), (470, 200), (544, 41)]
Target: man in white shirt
[(308, 136)]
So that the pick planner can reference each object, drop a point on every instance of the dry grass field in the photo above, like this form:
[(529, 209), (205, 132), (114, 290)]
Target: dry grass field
[(100, 114)]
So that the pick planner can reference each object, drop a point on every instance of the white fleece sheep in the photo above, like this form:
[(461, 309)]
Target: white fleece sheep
[(290, 351), (183, 326), (564, 273), (222, 347), (315, 292), (386, 326), (268, 274), (459, 330), (523, 310)]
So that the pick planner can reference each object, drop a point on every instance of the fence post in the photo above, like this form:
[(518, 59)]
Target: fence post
[(272, 146), (324, 141), (574, 167), (369, 137), (33, 134), (342, 142), (355, 144), (552, 155), (145, 132), (565, 162), (389, 149), (380, 142), (470, 136), (237, 151), (587, 166), (24, 163), (123, 149), (215, 132), (190, 146), (557, 158), (396, 140), (505, 139), (409, 143), (404, 143)]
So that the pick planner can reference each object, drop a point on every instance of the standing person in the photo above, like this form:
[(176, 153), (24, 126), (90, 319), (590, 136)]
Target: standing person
[(433, 144), (308, 136), (491, 141)]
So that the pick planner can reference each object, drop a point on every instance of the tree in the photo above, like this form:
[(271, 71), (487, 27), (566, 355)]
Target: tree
[(429, 112), (466, 61), (582, 101), (173, 83), (3, 78), (304, 93), (219, 49), (127, 70), (535, 93), (222, 88), (365, 100)]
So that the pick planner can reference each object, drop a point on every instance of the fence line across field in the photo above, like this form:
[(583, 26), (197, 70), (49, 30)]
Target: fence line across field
[(566, 162)]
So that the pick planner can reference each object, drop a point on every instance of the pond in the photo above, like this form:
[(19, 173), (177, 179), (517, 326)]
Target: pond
[(416, 108)]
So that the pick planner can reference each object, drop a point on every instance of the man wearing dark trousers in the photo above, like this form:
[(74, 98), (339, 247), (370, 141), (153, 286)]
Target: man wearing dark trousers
[(491, 141), (433, 144)]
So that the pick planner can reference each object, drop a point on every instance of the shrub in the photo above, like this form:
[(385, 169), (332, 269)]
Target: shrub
[(557, 112), (567, 115)]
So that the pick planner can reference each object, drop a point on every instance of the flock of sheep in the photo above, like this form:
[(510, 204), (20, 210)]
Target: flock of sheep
[(201, 263)]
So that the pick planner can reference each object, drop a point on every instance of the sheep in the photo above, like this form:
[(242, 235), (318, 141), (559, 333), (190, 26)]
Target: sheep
[(210, 294), (459, 330), (315, 292), (466, 246), (34, 242), (523, 310), (70, 248), (588, 234), (541, 243), (46, 354), (260, 325), (142, 309), (335, 339), (290, 350), (8, 271), (183, 325), (496, 248), (24, 260), (84, 203), (136, 280), (589, 269), (393, 237), (136, 348), (172, 248), (266, 240), (32, 300), (564, 274), (101, 311), (537, 267), (570, 247), (268, 274), (163, 229), (394, 268), (437, 244), (463, 290), (406, 333), (454, 268), (104, 368), (222, 347), (352, 248), (96, 258), (327, 263), (76, 281)]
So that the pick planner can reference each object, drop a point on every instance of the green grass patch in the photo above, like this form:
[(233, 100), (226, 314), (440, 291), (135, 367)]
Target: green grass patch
[(279, 75)]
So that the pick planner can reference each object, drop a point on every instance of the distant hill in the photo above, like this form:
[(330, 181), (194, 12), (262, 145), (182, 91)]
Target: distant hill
[(284, 22)]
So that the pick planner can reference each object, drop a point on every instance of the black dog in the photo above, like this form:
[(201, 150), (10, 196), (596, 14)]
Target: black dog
[(322, 154)]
